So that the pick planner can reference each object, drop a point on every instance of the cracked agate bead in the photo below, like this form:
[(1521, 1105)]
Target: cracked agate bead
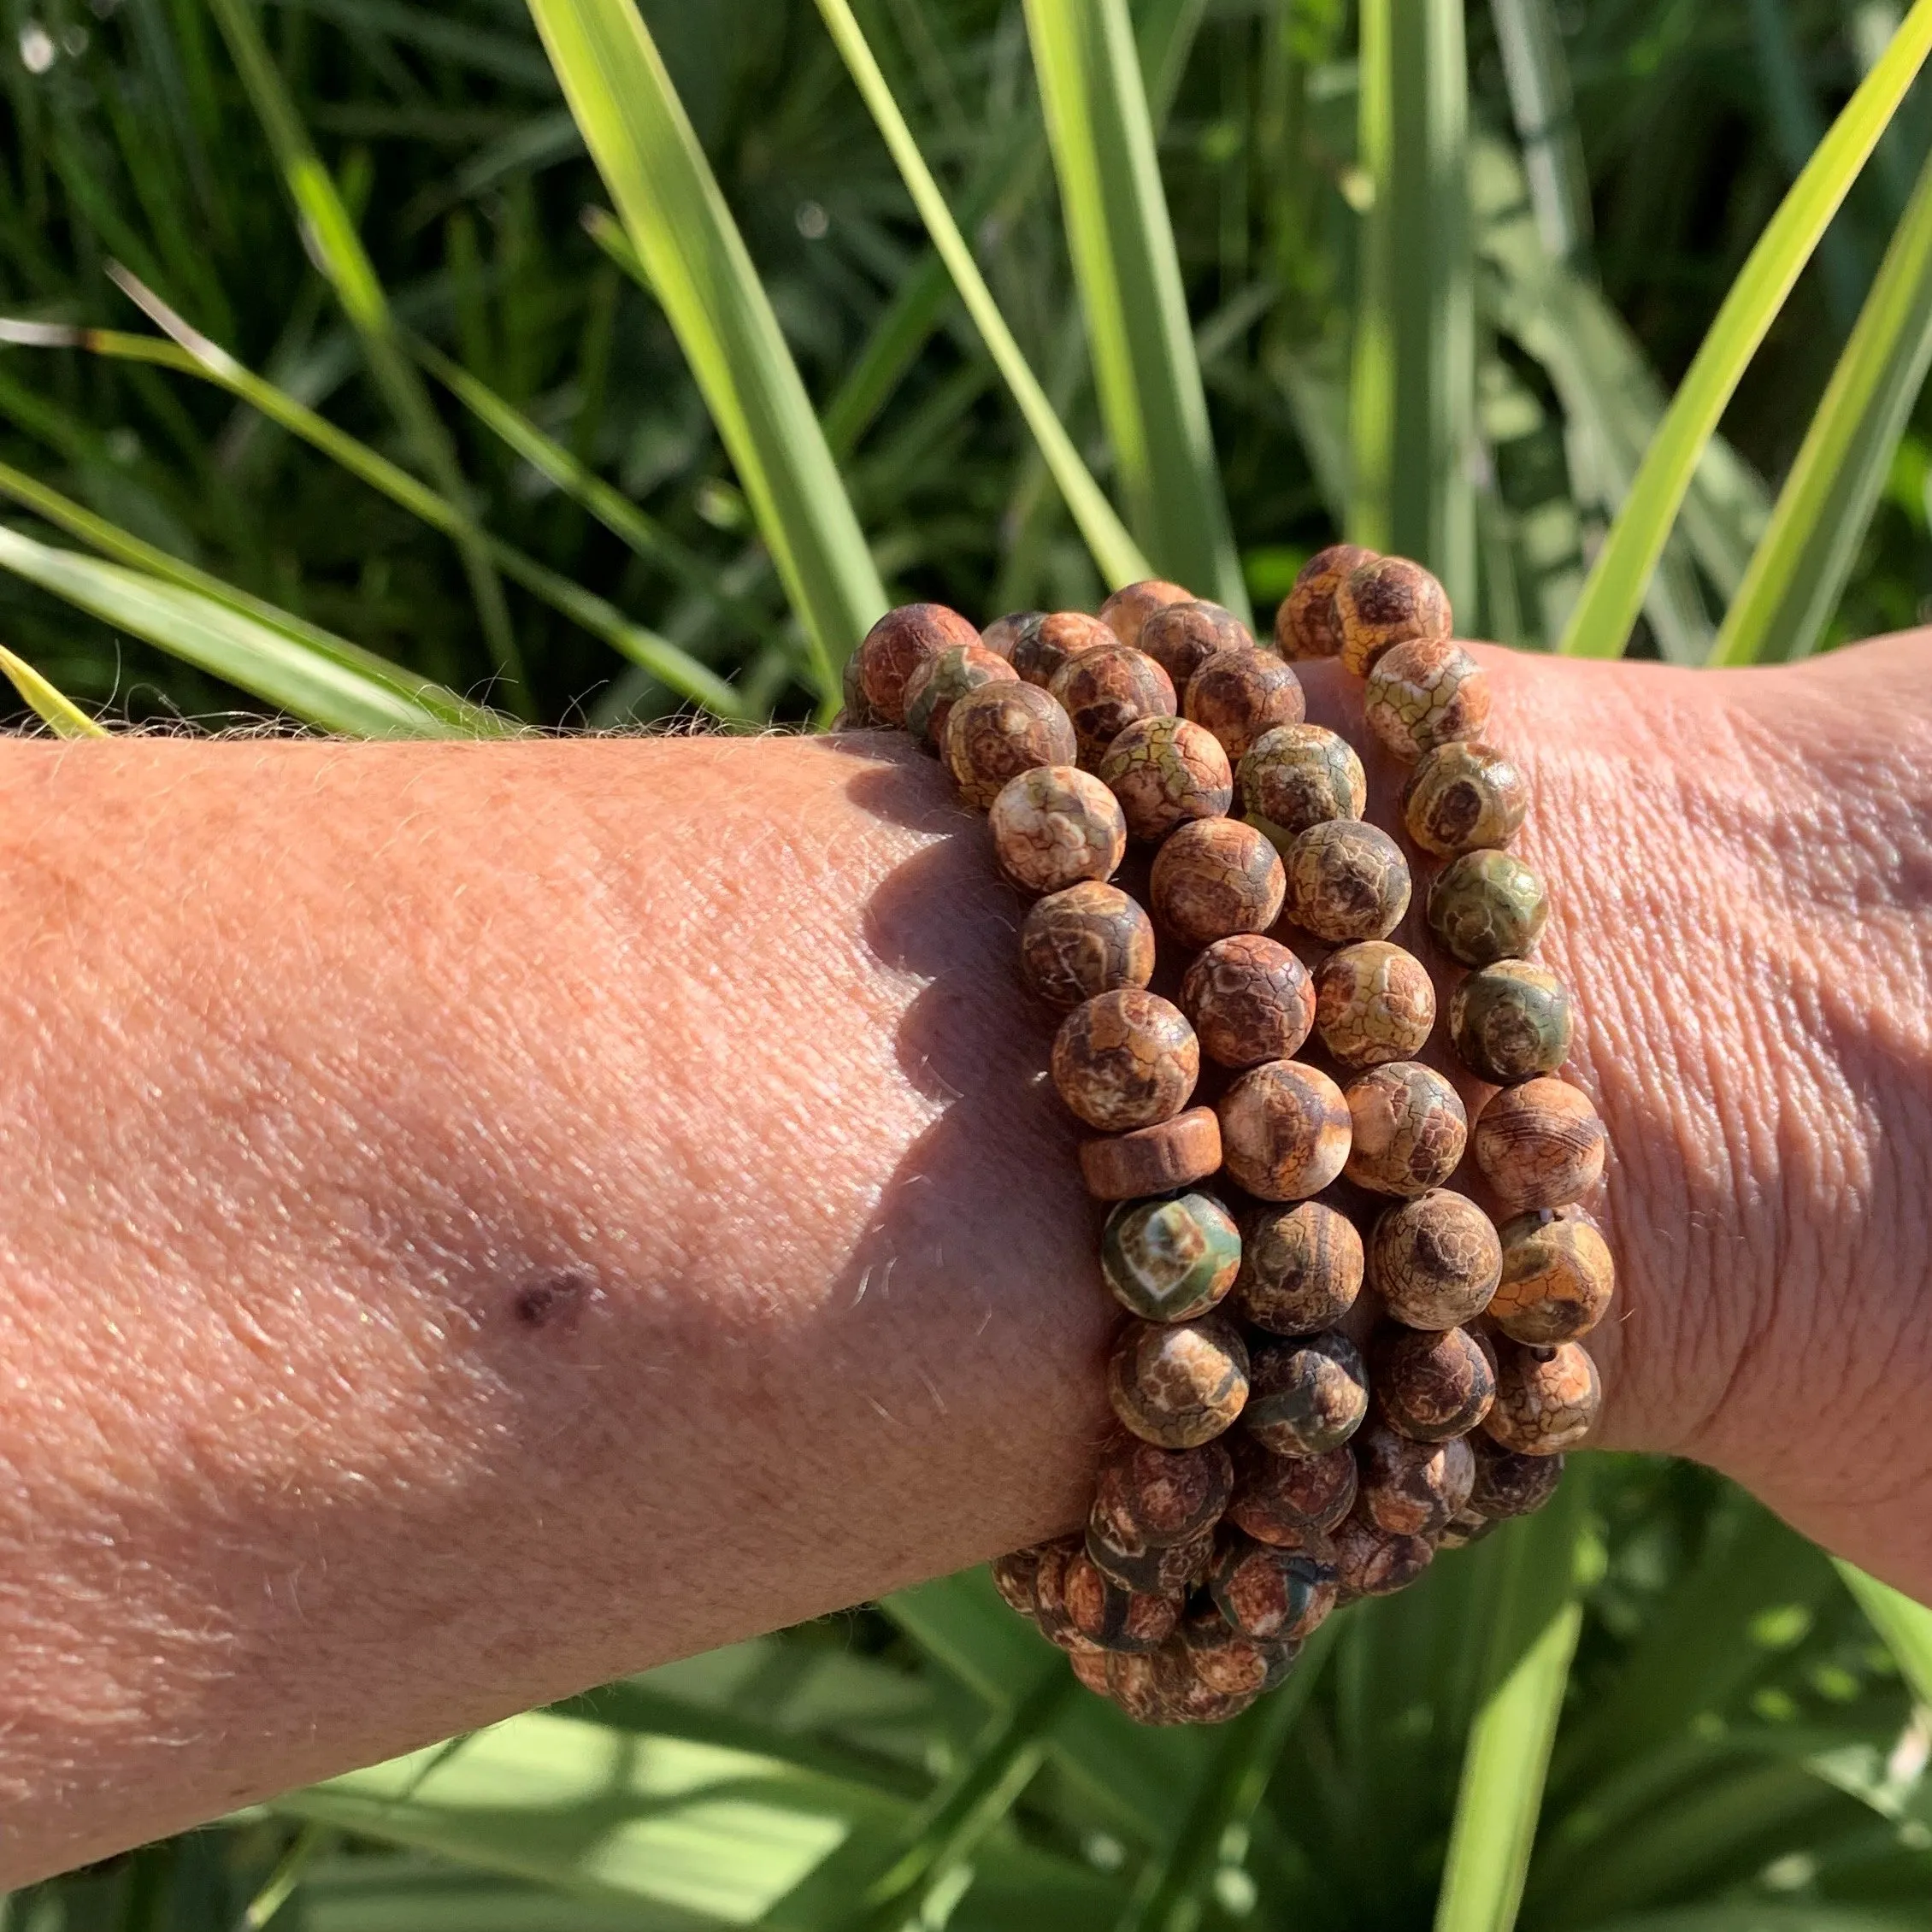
[(1346, 881), (1512, 1022), (1055, 826), (1215, 877), (1436, 1261), (1112, 1617), (1423, 693), (1163, 1497), (897, 647), (1250, 1000), (1089, 939), (1276, 1498), (1407, 1127), (1539, 1145), (1301, 1268), (1241, 693), (1004, 632), (1284, 1131), (1165, 771), (1486, 906), (1271, 1592), (1307, 624), (1126, 1060), (1306, 1396), (1374, 1003), (1508, 1484), (1411, 1488), (1170, 1260), (1041, 649), (994, 734), (1463, 796), (1547, 1398), (1166, 1570), (1385, 602), (1181, 637), (1432, 1384), (1371, 1562), (1131, 606), (1104, 690), (940, 682), (1298, 776), (1179, 1384), (1559, 1277), (1228, 1662)]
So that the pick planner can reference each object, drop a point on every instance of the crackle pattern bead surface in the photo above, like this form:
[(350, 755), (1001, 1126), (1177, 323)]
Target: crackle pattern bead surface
[(1271, 1593), (1423, 693), (896, 646), (1486, 906), (1133, 604), (995, 733), (1346, 881), (1557, 1279), (1041, 649), (1126, 1060), (1004, 632), (1168, 1570), (1297, 775), (1508, 1484), (1179, 1384), (1307, 624), (1241, 693), (1301, 1268), (1462, 798), (1407, 1128), (1250, 1000), (1277, 1498), (1215, 877), (1306, 1395), (1104, 690), (1165, 771), (1089, 939), (1370, 1562), (1284, 1130), (1163, 1497), (1411, 1488), (1512, 1020), (1055, 826), (1432, 1384), (1539, 1145), (1170, 1260), (1436, 1261), (1547, 1398), (1383, 602), (940, 682), (1109, 1616), (1374, 1003), (1153, 1160), (1181, 637)]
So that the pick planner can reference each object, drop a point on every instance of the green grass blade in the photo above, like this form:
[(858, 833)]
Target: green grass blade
[(1115, 552), (1121, 242), (1532, 1639), (699, 270), (1413, 383), (1905, 1626), (1599, 626), (54, 708), (1806, 554), (1540, 104)]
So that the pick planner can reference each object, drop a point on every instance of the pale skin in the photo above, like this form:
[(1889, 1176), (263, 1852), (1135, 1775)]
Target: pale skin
[(478, 1221)]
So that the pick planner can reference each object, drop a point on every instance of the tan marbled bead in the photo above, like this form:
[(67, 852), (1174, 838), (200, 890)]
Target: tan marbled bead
[(1179, 1384), (1050, 1609), (1374, 1003), (1275, 1592), (1165, 771), (1307, 624), (1508, 1484), (1276, 1498), (1225, 1662), (1547, 1398), (1041, 649), (1539, 1145), (1013, 1576), (1370, 1562), (940, 682), (1432, 1384), (1104, 690), (1436, 1261), (1163, 1497), (1512, 1022), (1214, 877), (1301, 1268), (1169, 1569), (1089, 939), (1346, 881), (1559, 1277), (1407, 1128), (1250, 1000), (896, 646), (1004, 632), (1426, 692), (1133, 604), (1115, 1618), (1385, 602), (1241, 693), (996, 733), (1464, 796), (1153, 1160), (1126, 1060), (1284, 1131), (1297, 775), (1307, 1395), (1055, 826), (1092, 1669), (1411, 1488), (1181, 637)]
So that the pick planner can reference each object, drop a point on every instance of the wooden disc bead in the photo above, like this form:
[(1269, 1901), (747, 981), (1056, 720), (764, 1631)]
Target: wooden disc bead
[(1374, 1003), (1430, 1386), (1163, 1497), (1486, 906), (1274, 1595), (1372, 1563), (1547, 1398), (1115, 1619), (1301, 1268), (1004, 632), (1346, 881), (1426, 692), (1089, 939), (1284, 1131), (1407, 1127), (940, 682), (1297, 775), (1250, 1000), (1215, 877), (1162, 1569), (1181, 637), (1170, 1260), (1411, 1488), (1228, 1663), (1512, 1022), (1559, 1277), (1126, 1060), (1508, 1484), (1277, 1497), (1462, 798), (1104, 690), (1055, 826), (1240, 693), (1165, 771), (1179, 1384), (1383, 602), (1306, 1396), (1153, 1160), (995, 733), (896, 646), (1306, 625), (1041, 650), (1436, 1261), (1539, 1145), (1131, 606)]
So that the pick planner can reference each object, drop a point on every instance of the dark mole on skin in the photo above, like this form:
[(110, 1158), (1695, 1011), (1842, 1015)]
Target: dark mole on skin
[(546, 1300)]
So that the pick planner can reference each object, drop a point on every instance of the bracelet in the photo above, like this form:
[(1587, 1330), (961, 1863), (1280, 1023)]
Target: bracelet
[(1212, 1551)]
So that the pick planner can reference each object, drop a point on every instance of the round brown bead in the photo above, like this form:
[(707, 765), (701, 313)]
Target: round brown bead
[(1215, 877), (1274, 1595), (1346, 881), (1181, 637), (1431, 1386), (1162, 1569), (999, 731), (1411, 1488), (1126, 1060), (1241, 693), (1190, 1695), (1297, 775), (1306, 625), (1163, 1497), (1372, 1563), (1104, 690), (1284, 1131), (1050, 1604), (1250, 999), (1508, 1485), (1055, 826), (1539, 1145), (896, 647), (1512, 1022), (1374, 1003), (1547, 1398), (1462, 798), (1306, 1396), (1133, 604), (1103, 1613), (940, 682), (1133, 1682), (1004, 632), (1559, 1277), (1225, 1662), (1464, 1530), (1041, 650), (1387, 602), (1179, 1384), (1089, 939), (1407, 1127), (1013, 1576), (1277, 1497), (1486, 906), (1153, 1160), (1436, 1261), (1301, 1268), (1426, 692), (1090, 1669), (1165, 771)]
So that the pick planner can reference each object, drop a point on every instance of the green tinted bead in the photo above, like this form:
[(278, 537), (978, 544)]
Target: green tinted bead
[(1512, 1022), (1298, 776), (1486, 906), (1170, 1260)]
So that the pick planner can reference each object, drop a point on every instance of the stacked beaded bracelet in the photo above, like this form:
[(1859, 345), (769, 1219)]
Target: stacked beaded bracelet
[(1268, 1466)]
